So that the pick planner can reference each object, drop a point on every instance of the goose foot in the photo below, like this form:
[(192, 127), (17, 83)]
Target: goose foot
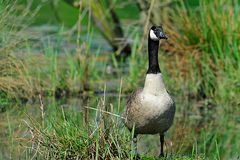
[(161, 155), (137, 157)]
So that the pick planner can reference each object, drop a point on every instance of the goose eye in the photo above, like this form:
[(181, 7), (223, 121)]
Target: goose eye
[(156, 32)]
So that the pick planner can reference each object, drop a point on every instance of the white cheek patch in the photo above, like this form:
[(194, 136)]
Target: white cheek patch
[(153, 36)]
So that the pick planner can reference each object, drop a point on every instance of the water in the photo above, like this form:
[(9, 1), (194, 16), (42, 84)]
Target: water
[(62, 41)]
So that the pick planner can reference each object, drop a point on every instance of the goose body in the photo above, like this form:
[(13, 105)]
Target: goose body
[(150, 110)]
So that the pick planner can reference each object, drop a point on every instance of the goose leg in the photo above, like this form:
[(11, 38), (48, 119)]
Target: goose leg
[(162, 144), (137, 157)]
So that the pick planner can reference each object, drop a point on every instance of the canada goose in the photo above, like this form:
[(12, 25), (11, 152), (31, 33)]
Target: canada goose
[(151, 110)]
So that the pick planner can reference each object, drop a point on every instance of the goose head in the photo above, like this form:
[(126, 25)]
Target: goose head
[(156, 33)]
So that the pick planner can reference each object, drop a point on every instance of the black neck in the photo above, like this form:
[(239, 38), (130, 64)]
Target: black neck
[(153, 56)]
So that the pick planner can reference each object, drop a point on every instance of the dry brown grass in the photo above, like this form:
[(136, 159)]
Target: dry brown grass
[(13, 79)]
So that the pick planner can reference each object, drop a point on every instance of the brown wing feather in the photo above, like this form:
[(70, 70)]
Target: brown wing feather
[(133, 97), (132, 101)]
